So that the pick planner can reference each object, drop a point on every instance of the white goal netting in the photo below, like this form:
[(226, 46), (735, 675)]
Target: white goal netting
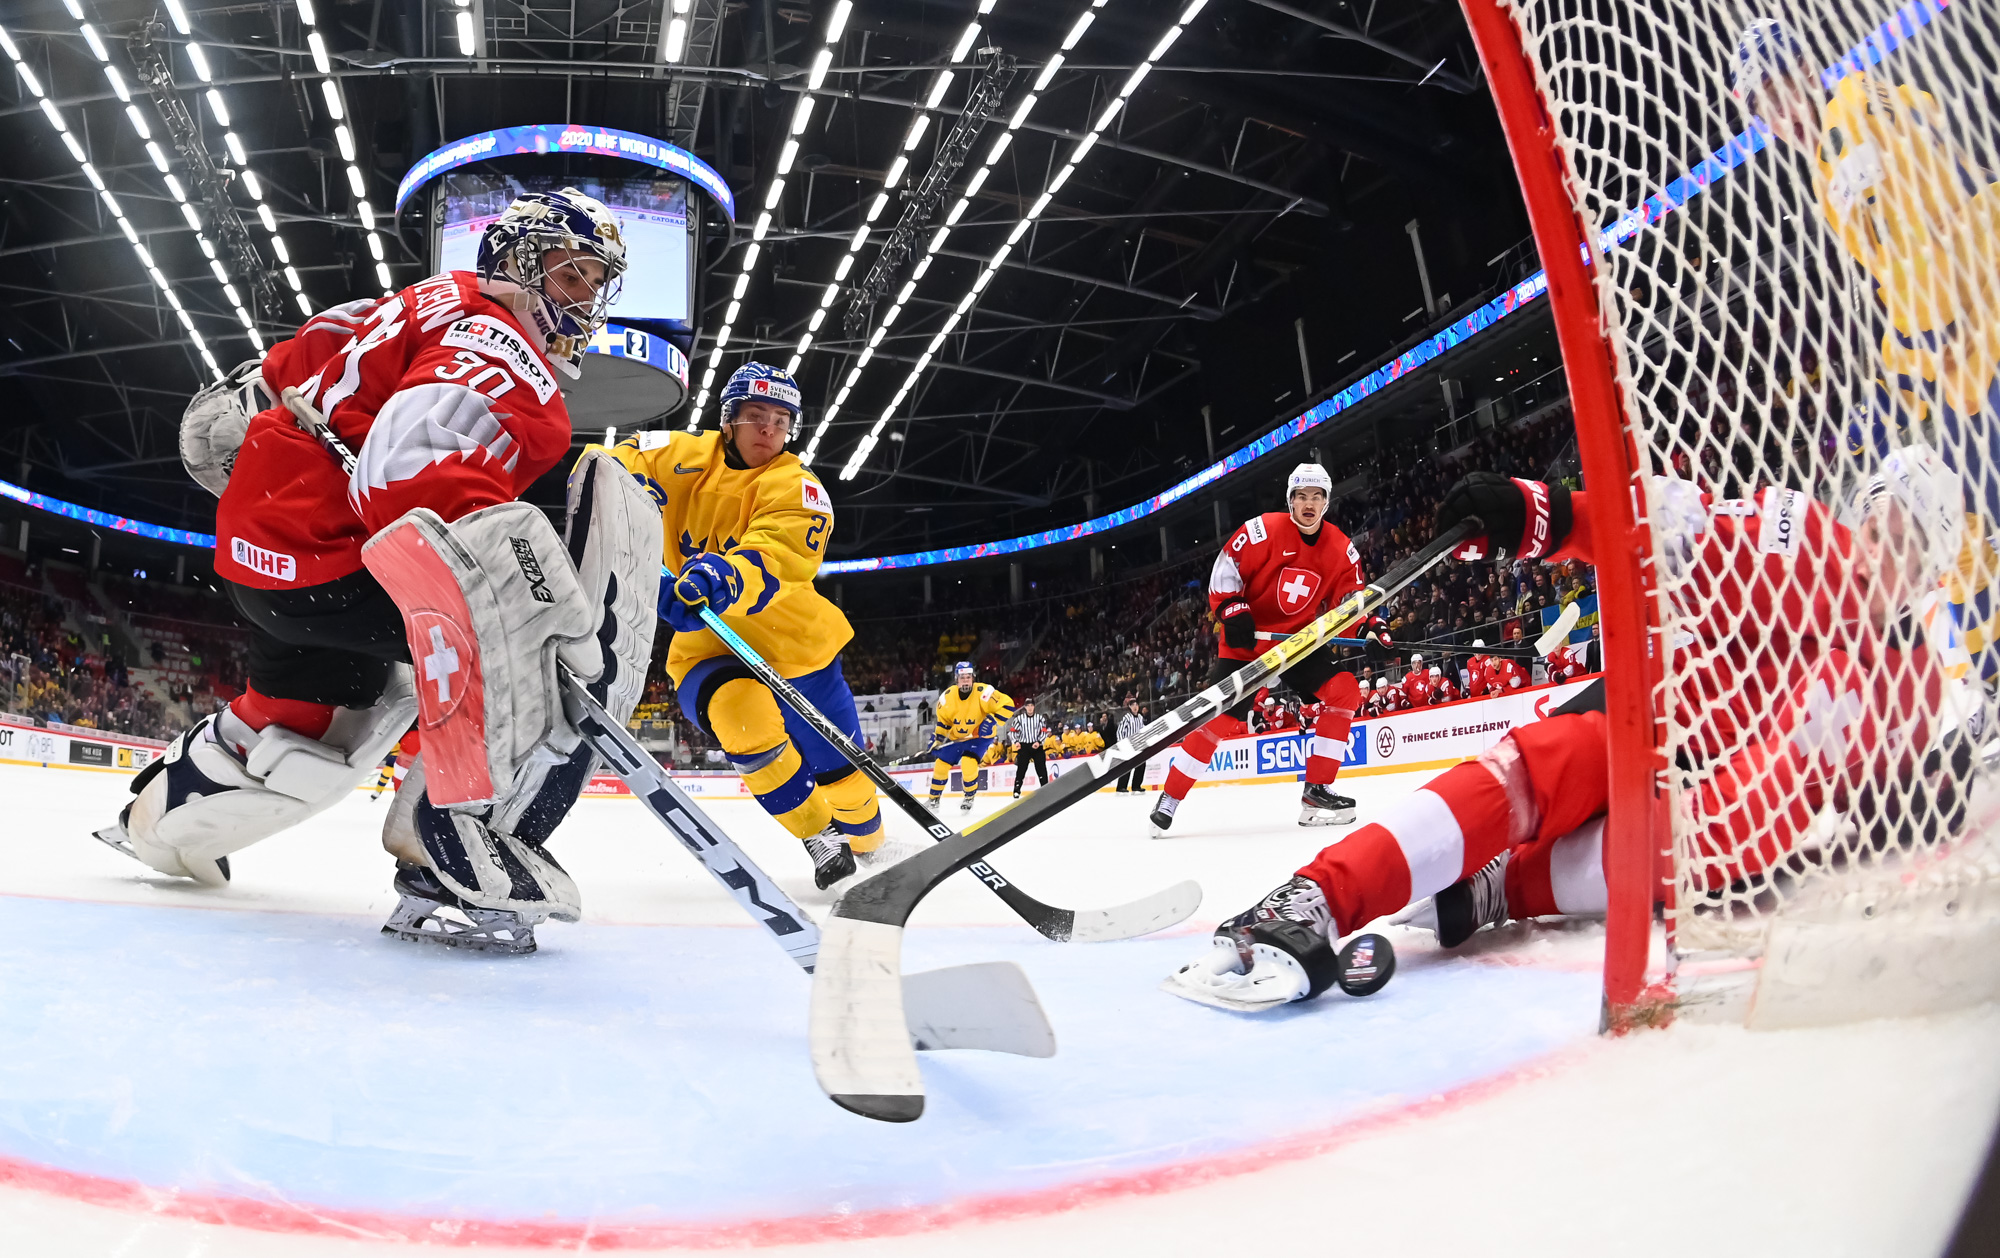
[(1800, 284)]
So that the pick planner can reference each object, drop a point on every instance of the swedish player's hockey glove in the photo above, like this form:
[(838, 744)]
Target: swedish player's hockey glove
[(708, 581), (1525, 519), (1239, 628), (1376, 630)]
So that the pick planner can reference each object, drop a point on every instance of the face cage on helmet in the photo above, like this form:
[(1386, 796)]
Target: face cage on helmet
[(526, 257)]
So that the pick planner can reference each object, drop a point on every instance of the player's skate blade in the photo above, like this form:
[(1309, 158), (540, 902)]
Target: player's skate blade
[(1319, 806), (430, 913)]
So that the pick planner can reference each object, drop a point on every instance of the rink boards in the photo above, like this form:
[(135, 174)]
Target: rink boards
[(1419, 740)]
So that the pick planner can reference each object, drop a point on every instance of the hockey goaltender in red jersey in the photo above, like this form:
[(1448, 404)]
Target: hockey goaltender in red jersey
[(1519, 831), (1277, 573), (446, 395)]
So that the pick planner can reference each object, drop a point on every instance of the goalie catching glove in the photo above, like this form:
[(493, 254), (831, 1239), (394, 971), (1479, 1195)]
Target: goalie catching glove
[(493, 605), (1524, 519)]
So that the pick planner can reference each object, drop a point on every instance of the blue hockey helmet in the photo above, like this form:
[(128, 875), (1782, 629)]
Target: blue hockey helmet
[(962, 673), (514, 245), (761, 382)]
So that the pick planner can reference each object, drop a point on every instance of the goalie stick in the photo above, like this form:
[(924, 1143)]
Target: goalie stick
[(989, 1005), (1141, 917), (861, 1053)]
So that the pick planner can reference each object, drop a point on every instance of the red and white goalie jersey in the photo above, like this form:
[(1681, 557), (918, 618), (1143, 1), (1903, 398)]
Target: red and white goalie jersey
[(1287, 578), (446, 402)]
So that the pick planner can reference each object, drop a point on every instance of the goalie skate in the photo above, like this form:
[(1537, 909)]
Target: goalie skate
[(429, 912)]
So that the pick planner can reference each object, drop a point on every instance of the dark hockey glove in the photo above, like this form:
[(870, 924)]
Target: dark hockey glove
[(1377, 633), (1239, 628), (1525, 519)]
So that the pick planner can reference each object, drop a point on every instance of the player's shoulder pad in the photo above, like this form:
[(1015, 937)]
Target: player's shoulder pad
[(498, 340), (1254, 528)]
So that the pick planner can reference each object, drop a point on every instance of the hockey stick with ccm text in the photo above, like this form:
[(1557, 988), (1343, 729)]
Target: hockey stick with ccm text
[(988, 1006), (861, 1054), (1141, 917)]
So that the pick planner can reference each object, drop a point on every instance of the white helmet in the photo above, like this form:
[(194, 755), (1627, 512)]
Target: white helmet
[(1436, 671), (1917, 477), (1381, 683), (1479, 642), (1308, 476), (1416, 658)]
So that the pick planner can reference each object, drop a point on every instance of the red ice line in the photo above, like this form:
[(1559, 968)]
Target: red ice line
[(369, 1225)]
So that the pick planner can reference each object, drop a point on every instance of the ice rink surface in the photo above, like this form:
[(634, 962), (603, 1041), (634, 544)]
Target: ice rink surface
[(257, 1071)]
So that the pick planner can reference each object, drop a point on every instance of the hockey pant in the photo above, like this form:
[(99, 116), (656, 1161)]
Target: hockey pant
[(968, 754), (1029, 754), (1338, 693), (1541, 794), (795, 774)]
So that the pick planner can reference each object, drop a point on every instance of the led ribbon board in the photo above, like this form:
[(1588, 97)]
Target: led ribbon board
[(561, 137), (104, 519), (1884, 39)]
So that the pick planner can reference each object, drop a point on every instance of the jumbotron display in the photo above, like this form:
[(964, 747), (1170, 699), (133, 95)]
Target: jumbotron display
[(653, 214)]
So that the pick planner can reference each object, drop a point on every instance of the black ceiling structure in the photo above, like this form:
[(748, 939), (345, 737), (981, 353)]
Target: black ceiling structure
[(1293, 191)]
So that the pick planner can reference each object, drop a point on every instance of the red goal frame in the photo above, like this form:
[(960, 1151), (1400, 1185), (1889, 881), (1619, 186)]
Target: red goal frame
[(1637, 864)]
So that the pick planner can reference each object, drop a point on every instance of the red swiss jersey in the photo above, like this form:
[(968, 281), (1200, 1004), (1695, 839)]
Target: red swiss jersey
[(1417, 689), (1475, 676), (1287, 578), (445, 401), (1445, 691), (1503, 675), (1567, 663)]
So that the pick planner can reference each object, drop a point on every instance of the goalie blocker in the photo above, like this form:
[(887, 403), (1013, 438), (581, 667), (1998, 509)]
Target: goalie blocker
[(492, 605)]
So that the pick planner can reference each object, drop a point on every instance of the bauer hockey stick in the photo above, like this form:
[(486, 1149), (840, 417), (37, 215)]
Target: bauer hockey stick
[(861, 1053), (987, 1005), (1141, 917)]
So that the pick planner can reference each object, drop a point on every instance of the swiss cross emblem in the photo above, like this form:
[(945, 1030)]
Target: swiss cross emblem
[(1297, 588), (445, 659)]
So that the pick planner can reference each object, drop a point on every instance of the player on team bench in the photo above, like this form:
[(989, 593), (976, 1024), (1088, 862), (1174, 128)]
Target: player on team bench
[(968, 711), (1519, 831), (447, 394), (1277, 573), (746, 526)]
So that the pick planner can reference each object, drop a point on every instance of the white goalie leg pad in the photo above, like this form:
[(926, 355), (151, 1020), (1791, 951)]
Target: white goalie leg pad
[(491, 604), (615, 538), (217, 420), (205, 801), (399, 828)]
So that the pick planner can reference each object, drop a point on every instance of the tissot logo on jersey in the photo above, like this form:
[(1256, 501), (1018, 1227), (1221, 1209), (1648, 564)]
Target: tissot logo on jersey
[(1783, 517), (490, 336)]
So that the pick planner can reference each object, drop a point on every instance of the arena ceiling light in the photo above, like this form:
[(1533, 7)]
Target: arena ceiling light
[(992, 267), (836, 26), (343, 134), (111, 204)]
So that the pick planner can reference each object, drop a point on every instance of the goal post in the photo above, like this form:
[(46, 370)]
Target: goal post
[(1771, 234)]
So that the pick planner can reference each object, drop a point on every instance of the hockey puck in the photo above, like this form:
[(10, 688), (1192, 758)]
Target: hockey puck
[(1365, 965)]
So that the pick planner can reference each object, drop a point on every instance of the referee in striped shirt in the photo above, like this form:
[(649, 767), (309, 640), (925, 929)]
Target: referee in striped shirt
[(1029, 731)]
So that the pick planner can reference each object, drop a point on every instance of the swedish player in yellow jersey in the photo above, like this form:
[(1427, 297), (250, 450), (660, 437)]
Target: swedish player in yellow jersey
[(1921, 217), (967, 714), (746, 529)]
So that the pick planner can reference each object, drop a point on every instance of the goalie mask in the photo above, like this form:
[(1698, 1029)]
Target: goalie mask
[(515, 248)]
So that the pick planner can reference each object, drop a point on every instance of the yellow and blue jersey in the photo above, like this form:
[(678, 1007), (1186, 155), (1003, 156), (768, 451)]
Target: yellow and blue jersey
[(771, 523), (970, 717)]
